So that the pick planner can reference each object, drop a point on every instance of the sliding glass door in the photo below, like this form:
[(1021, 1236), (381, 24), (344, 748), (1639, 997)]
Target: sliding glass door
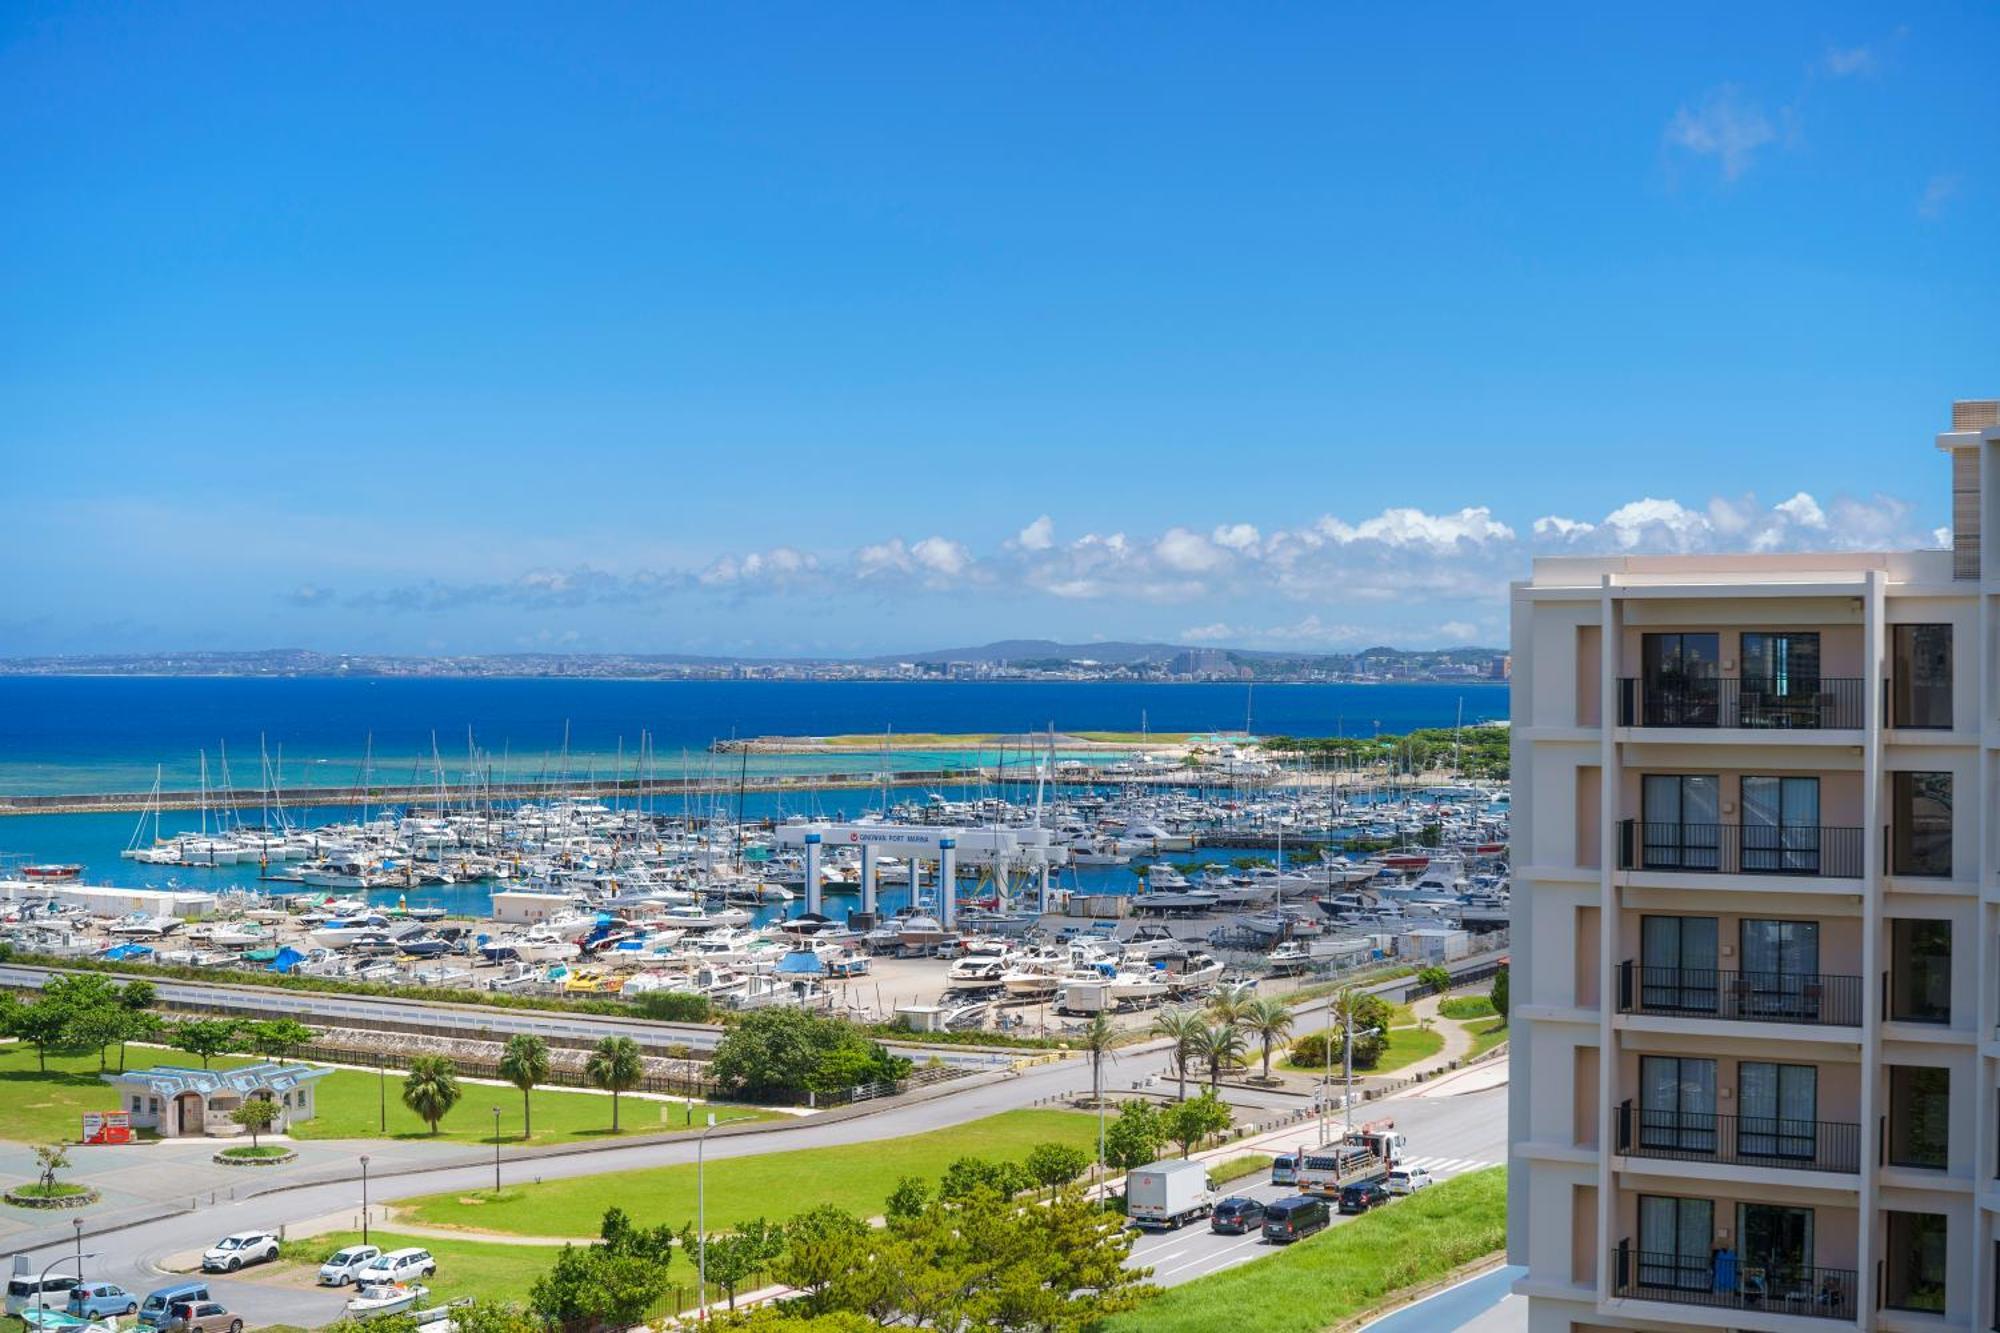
[(1677, 956), (1781, 825), (1682, 821), (1777, 1110), (1780, 968)]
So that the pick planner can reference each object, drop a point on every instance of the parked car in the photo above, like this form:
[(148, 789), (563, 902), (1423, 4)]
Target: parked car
[(1236, 1215), (98, 1300), (244, 1247), (153, 1311), (1295, 1218), (397, 1266), (345, 1266), (202, 1317), (1363, 1195), (24, 1292), (1409, 1179), (1284, 1169)]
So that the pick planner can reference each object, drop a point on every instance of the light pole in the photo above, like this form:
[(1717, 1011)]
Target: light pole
[(1347, 1097), (496, 1152), (77, 1222), (700, 1217), (382, 1097), (364, 1198), (41, 1287)]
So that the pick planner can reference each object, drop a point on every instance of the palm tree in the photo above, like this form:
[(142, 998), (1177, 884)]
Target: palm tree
[(525, 1063), (431, 1088), (615, 1066), (1229, 1002), (1221, 1045), (1270, 1021), (1185, 1029), (1097, 1037)]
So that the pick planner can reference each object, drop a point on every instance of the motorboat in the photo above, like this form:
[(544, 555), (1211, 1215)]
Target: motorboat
[(372, 1302), (976, 972), (139, 925)]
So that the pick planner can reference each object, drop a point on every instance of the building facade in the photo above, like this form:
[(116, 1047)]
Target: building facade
[(1756, 912), (180, 1101)]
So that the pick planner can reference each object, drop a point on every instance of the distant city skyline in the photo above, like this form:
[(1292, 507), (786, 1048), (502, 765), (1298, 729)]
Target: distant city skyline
[(789, 332)]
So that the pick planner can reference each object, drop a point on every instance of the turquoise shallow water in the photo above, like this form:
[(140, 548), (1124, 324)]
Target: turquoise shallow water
[(64, 734)]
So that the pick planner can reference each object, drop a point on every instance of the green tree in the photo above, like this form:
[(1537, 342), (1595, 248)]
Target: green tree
[(98, 1026), (1097, 1038), (1228, 1003), (431, 1088), (1053, 1165), (676, 1006), (1221, 1046), (910, 1197), (734, 1257), (615, 1066), (1192, 1122), (589, 1288), (787, 1050), (279, 1038), (821, 1246), (525, 1063), (205, 1037), (968, 1175), (256, 1115), (1184, 1028), (1437, 978), (137, 995), (1270, 1022), (1499, 992), (1135, 1135), (49, 1159), (139, 1025)]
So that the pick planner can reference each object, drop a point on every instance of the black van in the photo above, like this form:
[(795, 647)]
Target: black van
[(1234, 1216), (1291, 1219)]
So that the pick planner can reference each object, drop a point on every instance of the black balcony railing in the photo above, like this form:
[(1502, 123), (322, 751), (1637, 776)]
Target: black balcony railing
[(1799, 705), (1740, 849), (1749, 997), (1726, 1282), (1749, 1140)]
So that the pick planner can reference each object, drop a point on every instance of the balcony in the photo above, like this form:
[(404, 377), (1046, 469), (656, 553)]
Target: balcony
[(1740, 849), (1745, 997), (1719, 1284), (1767, 1141), (1731, 703)]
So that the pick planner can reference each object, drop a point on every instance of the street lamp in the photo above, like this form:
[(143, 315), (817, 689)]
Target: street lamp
[(1347, 1062), (700, 1223), (382, 1097), (364, 1198), (77, 1222), (496, 1152), (41, 1287)]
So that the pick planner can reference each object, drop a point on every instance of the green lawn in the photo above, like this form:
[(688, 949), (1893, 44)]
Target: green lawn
[(490, 1270), (1346, 1269), (1235, 1168), (38, 1108), (1487, 1035), (773, 1185), (1406, 1046), (1467, 1006)]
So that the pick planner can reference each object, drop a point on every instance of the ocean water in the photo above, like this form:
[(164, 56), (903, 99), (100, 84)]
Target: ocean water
[(65, 734)]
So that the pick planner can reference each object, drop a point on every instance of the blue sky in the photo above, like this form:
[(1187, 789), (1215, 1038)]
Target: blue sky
[(822, 329)]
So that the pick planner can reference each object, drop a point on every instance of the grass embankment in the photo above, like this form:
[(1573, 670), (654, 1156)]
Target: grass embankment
[(1235, 1168), (253, 1152), (1487, 1035), (774, 1186), (1315, 1283), (37, 1107), (1467, 1006)]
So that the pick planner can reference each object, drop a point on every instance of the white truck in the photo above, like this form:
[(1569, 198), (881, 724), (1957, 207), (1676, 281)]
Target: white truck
[(1168, 1193)]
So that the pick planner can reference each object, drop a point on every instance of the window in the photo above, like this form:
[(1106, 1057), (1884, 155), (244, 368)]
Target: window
[(1921, 676), (1677, 963), (1780, 680), (1920, 971), (1680, 679), (1682, 810), (1780, 977), (1675, 1240), (1921, 804), (1919, 1116), (1781, 825), (1777, 1110), (1913, 1263), (1677, 1104)]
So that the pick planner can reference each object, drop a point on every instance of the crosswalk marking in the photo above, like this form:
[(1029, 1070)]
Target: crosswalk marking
[(1440, 1165)]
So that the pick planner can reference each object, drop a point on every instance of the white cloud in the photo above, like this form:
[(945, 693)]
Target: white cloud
[(1414, 527), (890, 557), (941, 555), (1939, 192), (1235, 536), (1209, 633), (1803, 510), (1848, 62), (1189, 552), (1555, 526), (1037, 536), (1722, 126)]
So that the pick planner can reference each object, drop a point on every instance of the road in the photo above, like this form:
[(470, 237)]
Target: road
[(1469, 1130)]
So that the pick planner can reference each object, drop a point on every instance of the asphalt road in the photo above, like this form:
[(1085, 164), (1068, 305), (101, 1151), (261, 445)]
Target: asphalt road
[(1448, 1135)]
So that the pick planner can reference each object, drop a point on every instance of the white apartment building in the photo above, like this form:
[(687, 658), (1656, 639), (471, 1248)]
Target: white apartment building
[(1756, 938)]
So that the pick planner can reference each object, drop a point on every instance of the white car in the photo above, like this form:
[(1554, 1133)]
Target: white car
[(232, 1252), (1408, 1180), (397, 1266), (346, 1266)]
